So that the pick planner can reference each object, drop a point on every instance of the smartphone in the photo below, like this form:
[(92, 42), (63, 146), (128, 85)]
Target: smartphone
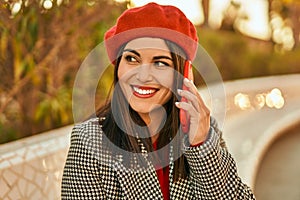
[(183, 115)]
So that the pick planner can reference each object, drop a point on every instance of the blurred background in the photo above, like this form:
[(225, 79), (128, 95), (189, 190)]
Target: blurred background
[(44, 42)]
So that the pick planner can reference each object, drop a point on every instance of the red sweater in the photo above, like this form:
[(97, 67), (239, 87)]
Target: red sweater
[(163, 177)]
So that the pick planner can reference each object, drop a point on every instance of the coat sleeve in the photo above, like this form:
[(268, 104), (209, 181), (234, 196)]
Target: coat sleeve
[(81, 175), (213, 170)]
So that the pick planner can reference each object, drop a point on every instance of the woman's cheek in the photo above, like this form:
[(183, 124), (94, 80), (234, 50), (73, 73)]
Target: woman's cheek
[(166, 79)]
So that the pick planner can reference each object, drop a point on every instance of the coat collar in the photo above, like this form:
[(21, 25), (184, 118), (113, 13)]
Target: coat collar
[(142, 183)]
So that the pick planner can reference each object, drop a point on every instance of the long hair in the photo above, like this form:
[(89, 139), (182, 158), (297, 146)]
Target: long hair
[(116, 127)]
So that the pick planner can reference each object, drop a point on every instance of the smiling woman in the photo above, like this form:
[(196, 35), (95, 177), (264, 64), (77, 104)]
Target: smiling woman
[(135, 148)]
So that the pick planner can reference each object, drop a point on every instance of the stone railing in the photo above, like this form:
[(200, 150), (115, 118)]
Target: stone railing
[(31, 168)]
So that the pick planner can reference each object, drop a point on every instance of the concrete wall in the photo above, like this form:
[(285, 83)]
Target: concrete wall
[(31, 168)]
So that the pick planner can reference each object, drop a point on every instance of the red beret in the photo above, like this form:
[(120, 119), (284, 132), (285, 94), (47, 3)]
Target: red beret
[(152, 20)]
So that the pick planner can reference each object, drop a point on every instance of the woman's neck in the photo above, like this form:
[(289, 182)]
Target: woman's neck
[(154, 121)]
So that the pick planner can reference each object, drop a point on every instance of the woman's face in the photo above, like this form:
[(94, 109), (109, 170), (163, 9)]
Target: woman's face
[(146, 73)]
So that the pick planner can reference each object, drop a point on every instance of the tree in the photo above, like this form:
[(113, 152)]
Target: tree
[(41, 50)]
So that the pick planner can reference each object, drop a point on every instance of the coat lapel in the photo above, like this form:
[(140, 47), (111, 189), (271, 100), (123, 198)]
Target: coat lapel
[(180, 189), (142, 183)]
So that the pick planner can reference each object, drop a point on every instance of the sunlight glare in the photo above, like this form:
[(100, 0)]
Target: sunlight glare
[(242, 101), (16, 7), (271, 99), (47, 4), (216, 14), (282, 34), (257, 22), (275, 99), (191, 8)]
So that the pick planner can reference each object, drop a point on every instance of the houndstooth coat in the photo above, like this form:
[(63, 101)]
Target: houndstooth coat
[(89, 173)]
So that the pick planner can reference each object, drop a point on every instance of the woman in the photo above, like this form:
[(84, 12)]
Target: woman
[(135, 148)]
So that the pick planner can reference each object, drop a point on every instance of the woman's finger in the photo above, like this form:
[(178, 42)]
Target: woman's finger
[(190, 85), (187, 107), (192, 94), (190, 97)]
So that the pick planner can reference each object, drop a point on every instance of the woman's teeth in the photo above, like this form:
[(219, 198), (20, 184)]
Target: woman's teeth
[(141, 91)]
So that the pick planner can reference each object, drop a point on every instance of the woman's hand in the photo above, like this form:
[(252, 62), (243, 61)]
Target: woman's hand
[(199, 113)]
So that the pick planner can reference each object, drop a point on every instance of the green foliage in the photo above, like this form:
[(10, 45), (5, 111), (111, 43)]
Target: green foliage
[(7, 134), (54, 109), (240, 57), (41, 51)]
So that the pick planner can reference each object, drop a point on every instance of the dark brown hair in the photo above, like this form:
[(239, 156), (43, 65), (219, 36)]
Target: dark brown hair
[(126, 118)]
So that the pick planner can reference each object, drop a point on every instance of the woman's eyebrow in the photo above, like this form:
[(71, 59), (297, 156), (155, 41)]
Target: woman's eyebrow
[(154, 58), (162, 57), (132, 51)]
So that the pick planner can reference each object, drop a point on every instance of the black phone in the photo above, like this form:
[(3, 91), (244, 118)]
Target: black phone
[(183, 115)]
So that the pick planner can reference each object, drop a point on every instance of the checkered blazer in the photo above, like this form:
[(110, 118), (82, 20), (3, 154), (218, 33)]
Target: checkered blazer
[(90, 173)]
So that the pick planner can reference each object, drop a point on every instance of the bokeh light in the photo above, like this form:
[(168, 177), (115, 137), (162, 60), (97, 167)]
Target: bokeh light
[(242, 101), (275, 99), (15, 8), (47, 4), (271, 99), (259, 101)]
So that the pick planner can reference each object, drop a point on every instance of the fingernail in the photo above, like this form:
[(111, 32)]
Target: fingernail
[(177, 104)]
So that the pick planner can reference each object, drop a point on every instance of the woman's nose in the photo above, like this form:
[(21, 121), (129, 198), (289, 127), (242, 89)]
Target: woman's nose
[(144, 73)]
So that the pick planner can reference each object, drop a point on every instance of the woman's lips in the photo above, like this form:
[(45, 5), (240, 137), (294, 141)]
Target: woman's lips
[(143, 92)]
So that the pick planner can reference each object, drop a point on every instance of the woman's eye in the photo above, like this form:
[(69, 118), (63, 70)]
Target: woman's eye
[(129, 58), (161, 64)]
